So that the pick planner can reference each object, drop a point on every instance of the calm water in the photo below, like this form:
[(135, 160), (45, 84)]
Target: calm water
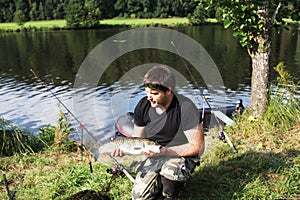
[(57, 56)]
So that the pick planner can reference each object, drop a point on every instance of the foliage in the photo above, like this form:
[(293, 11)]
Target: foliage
[(75, 13), (57, 137), (284, 109), (286, 79), (7, 14), (252, 21), (117, 22), (268, 163), (54, 175), (282, 115), (86, 13), (13, 140), (24, 7), (201, 13), (150, 9), (19, 17), (62, 131), (47, 134), (248, 19)]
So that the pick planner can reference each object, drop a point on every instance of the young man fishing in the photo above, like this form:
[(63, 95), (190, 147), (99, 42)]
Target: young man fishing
[(173, 121)]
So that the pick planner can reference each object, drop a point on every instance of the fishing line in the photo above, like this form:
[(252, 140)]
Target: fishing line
[(82, 128), (58, 99), (222, 134), (191, 75)]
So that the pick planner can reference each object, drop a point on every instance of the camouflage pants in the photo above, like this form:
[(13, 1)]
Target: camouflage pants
[(148, 179)]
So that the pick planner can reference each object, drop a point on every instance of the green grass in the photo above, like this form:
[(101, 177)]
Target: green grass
[(253, 173), (57, 175), (34, 25), (267, 166), (144, 22)]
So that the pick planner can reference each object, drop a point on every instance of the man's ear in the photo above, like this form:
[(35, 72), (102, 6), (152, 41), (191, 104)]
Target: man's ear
[(169, 91)]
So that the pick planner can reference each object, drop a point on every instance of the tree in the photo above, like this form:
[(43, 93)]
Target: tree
[(107, 8), (93, 13), (41, 12), (48, 9), (59, 12), (19, 17), (75, 13), (33, 13), (8, 9), (24, 7), (252, 21)]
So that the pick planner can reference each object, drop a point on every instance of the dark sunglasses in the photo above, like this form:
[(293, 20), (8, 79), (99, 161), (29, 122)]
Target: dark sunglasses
[(154, 86)]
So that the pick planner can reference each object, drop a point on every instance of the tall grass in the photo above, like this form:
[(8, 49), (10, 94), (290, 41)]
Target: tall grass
[(13, 140)]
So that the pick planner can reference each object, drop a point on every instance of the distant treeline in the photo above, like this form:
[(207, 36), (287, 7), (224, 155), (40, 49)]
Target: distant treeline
[(89, 12)]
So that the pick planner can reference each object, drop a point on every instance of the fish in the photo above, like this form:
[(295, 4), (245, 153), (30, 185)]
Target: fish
[(130, 145)]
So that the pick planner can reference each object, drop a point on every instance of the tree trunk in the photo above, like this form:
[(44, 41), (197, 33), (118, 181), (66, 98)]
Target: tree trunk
[(260, 56), (259, 83)]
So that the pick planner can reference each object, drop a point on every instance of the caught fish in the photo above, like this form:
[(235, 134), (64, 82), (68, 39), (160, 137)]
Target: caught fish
[(130, 146)]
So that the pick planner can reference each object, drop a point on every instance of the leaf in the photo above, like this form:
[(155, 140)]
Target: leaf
[(227, 23), (244, 7), (235, 34)]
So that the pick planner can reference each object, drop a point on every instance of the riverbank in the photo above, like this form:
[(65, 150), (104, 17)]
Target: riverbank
[(117, 22), (51, 25)]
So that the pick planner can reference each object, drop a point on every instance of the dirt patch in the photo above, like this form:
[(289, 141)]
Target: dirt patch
[(89, 194)]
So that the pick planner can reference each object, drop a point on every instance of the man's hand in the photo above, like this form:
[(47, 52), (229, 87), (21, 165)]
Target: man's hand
[(117, 153), (149, 153)]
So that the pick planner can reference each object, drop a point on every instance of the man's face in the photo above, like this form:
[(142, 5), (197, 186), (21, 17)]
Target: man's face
[(156, 97)]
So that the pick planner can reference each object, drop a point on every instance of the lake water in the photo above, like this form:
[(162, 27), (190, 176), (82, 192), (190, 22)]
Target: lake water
[(58, 58)]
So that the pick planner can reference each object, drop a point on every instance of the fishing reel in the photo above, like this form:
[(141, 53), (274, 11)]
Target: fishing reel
[(221, 136), (114, 170)]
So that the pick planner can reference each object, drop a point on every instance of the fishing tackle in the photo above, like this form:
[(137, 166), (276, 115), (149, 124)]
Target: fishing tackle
[(221, 136), (82, 127), (12, 194), (67, 109), (90, 163), (195, 82), (114, 170), (203, 96)]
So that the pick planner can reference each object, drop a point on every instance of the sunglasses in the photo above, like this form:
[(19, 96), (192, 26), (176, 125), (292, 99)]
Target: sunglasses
[(154, 86)]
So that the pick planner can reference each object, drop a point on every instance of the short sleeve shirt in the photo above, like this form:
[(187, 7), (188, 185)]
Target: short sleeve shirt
[(167, 128)]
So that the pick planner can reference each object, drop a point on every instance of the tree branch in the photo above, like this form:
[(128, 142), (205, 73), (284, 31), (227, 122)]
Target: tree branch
[(275, 13)]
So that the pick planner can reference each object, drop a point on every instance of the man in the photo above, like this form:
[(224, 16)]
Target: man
[(173, 121)]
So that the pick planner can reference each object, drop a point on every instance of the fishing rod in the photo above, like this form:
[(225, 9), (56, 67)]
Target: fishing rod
[(58, 99), (191, 75), (12, 194), (82, 127), (194, 80), (203, 96)]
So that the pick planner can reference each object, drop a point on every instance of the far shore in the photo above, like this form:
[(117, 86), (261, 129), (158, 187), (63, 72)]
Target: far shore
[(116, 22)]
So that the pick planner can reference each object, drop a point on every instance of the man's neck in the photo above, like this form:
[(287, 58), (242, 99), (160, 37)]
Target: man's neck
[(162, 108)]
